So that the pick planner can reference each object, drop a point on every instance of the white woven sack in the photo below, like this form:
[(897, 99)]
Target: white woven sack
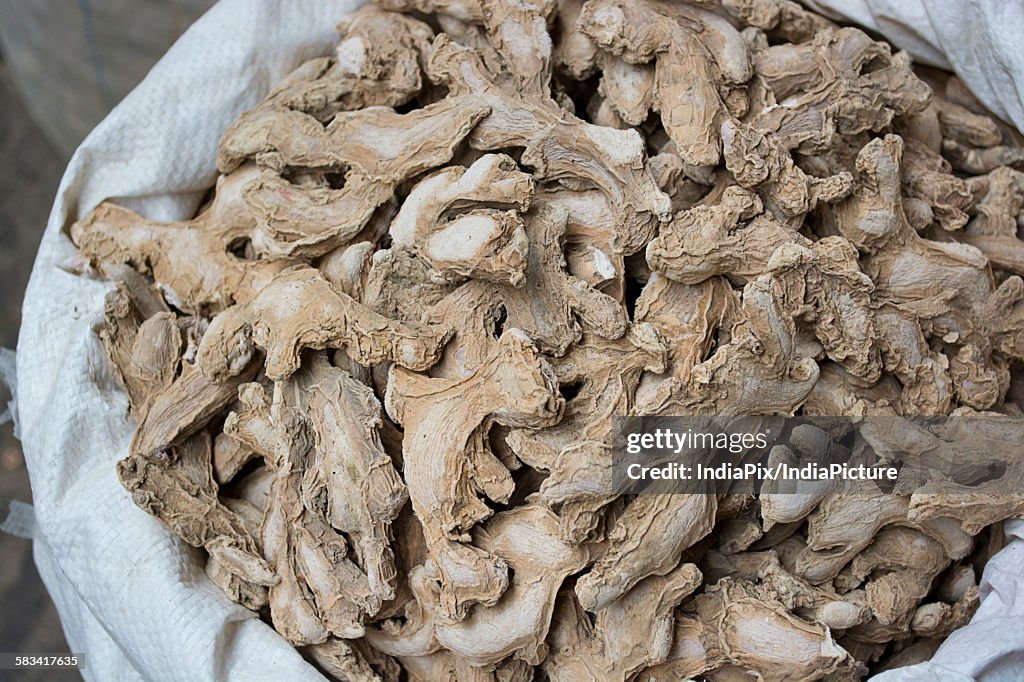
[(132, 597)]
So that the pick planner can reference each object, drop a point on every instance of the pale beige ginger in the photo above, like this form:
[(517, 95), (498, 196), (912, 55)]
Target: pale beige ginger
[(845, 523), (469, 11), (300, 309), (377, 376), (961, 125), (321, 590), (821, 88), (297, 221), (377, 142), (773, 583), (927, 177), (168, 396), (628, 88), (730, 626), (398, 284), (780, 503), (647, 539), (757, 368), (589, 236), (693, 51), (577, 451), (836, 392), (688, 316), (979, 161), (178, 488), (349, 477), (632, 634), (377, 62), (760, 162), (557, 146), (527, 539), (821, 284), (192, 260), (759, 371), (480, 241), (375, 147), (169, 471), (926, 384), (898, 569), (514, 387), (348, 660), (782, 18), (994, 228), (946, 285), (570, 304), (733, 236)]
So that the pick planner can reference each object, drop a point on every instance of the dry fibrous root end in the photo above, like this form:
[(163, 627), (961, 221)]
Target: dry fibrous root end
[(375, 376)]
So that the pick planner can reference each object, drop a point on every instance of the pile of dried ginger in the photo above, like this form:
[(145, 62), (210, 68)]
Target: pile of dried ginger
[(375, 377)]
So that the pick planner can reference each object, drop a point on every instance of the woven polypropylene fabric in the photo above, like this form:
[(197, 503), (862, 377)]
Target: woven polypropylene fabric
[(131, 596)]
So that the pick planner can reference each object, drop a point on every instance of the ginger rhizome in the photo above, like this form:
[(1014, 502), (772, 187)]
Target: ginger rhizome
[(375, 376)]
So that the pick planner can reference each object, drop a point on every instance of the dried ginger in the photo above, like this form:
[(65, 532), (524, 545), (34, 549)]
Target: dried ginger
[(375, 377)]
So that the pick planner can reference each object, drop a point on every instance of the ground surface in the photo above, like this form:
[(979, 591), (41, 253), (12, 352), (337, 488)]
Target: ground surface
[(28, 181)]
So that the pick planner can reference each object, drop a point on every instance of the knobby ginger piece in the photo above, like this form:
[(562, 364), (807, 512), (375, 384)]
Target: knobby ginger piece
[(527, 539), (899, 565), (188, 404), (570, 306), (377, 62), (628, 88), (191, 261), (754, 634), (759, 371), (310, 221), (769, 580), (647, 540), (783, 18), (178, 488), (823, 285), (928, 177), (341, 659), (994, 229), (557, 146), (518, 32), (578, 450), (126, 310), (377, 147), (482, 243), (513, 387), (979, 161), (946, 285), (633, 633), (465, 10), (688, 317), (300, 309), (376, 142), (695, 52), (573, 53), (733, 236), (322, 591), (349, 478), (841, 82), (760, 162)]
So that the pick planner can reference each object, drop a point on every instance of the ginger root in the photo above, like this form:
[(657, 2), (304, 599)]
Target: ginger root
[(376, 377)]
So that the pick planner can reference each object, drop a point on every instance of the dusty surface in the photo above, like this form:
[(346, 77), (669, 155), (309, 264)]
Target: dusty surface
[(28, 620)]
